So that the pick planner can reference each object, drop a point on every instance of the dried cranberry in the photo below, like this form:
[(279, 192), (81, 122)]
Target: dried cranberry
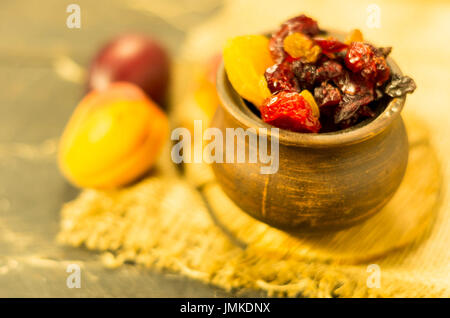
[(358, 56), (331, 45), (301, 24), (328, 69), (353, 84), (370, 62), (327, 95), (289, 110), (357, 91), (280, 77), (383, 71), (349, 105), (306, 74)]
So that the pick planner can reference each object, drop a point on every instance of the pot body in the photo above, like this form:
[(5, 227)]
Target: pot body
[(317, 188)]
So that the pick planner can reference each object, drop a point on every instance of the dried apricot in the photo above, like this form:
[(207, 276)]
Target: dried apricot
[(246, 59), (354, 36), (113, 137)]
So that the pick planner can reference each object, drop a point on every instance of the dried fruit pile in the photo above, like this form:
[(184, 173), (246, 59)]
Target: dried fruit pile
[(303, 80)]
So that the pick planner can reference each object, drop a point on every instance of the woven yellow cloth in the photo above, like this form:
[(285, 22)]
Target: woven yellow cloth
[(188, 225), (184, 223)]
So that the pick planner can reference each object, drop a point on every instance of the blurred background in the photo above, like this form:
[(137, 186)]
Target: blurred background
[(38, 50)]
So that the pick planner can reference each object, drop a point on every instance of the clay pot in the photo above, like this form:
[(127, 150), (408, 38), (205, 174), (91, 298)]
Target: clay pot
[(325, 181)]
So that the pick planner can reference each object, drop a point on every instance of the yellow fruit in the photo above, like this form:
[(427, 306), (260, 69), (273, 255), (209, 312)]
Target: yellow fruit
[(112, 138), (354, 36), (246, 59), (311, 101), (299, 45), (206, 97)]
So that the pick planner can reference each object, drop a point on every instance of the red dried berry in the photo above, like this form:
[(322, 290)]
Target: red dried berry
[(368, 61), (359, 55), (330, 45), (328, 69), (353, 84), (289, 110), (327, 95), (302, 24), (280, 77), (383, 71)]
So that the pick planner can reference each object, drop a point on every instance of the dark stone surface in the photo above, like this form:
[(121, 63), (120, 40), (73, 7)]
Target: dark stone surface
[(35, 105)]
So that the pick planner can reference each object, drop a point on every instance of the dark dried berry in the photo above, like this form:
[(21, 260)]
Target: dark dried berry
[(328, 69), (366, 111), (327, 95), (363, 111), (352, 84), (383, 51), (306, 74), (357, 92), (280, 77), (330, 45), (302, 24), (349, 105), (400, 85), (378, 94)]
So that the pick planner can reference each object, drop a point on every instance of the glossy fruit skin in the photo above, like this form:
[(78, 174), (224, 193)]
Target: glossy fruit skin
[(330, 45), (354, 36), (280, 77), (246, 59), (132, 58), (300, 46), (356, 92), (363, 58), (400, 85), (327, 95), (311, 101), (302, 24), (291, 111), (113, 137)]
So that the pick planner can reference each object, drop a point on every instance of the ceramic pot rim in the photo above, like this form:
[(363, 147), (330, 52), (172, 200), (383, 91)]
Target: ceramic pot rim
[(235, 106)]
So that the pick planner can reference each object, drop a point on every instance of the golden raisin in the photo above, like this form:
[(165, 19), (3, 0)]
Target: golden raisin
[(311, 101), (299, 45)]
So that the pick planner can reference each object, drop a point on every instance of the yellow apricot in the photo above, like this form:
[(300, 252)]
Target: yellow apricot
[(246, 58), (112, 138), (354, 36)]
